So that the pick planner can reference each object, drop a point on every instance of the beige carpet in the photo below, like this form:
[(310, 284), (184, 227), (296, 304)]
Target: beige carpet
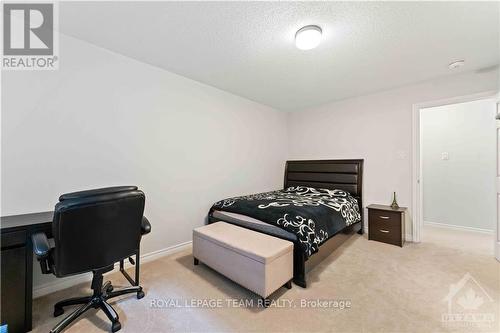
[(390, 290)]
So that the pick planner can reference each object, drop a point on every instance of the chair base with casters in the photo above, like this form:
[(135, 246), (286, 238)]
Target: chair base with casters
[(98, 300)]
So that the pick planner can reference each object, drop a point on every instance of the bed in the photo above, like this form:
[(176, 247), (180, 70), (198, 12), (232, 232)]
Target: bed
[(326, 178)]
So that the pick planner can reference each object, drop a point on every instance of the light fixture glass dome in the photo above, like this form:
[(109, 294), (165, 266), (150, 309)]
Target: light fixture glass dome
[(308, 37)]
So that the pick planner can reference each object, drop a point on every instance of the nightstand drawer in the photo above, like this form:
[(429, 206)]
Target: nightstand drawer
[(392, 227), (384, 216), (384, 233)]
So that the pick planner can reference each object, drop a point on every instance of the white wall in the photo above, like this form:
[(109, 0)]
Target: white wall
[(461, 190), (377, 128), (104, 119)]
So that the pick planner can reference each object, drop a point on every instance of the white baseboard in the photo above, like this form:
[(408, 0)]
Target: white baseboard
[(164, 252), (59, 284), (458, 227), (408, 237)]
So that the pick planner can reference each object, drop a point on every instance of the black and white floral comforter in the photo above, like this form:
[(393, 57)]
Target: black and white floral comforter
[(313, 214)]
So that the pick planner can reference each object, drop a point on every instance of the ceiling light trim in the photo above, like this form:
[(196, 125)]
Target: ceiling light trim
[(308, 37)]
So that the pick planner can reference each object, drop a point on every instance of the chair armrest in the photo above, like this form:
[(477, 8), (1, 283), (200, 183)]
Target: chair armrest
[(41, 247), (145, 226)]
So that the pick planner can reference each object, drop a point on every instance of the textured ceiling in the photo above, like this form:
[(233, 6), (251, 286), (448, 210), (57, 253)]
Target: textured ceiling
[(247, 48)]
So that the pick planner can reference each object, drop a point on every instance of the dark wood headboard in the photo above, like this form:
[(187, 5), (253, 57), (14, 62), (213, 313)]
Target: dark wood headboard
[(345, 175)]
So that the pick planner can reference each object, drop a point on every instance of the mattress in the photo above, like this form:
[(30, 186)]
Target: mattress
[(254, 224), (312, 215)]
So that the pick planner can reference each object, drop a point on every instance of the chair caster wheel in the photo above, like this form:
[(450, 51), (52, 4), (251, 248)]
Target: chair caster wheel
[(116, 326), (58, 312), (140, 294)]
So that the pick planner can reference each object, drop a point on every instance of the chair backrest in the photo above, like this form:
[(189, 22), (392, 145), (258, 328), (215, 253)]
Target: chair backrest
[(94, 229)]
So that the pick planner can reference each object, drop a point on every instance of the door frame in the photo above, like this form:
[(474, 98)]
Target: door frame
[(497, 229), (416, 189)]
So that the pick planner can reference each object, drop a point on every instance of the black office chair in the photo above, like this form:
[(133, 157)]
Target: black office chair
[(92, 231)]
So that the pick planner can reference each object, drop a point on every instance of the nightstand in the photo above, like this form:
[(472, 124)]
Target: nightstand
[(386, 224)]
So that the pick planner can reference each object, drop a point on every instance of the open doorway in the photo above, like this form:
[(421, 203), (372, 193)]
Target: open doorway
[(458, 164)]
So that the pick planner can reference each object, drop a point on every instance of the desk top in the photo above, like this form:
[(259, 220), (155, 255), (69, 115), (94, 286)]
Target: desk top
[(25, 220)]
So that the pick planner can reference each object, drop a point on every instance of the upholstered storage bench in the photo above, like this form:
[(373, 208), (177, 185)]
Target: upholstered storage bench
[(258, 262)]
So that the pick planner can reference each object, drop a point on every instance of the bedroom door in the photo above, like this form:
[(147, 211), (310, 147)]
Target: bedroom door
[(497, 238)]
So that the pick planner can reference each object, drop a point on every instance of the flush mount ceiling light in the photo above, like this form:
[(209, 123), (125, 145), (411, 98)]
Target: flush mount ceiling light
[(308, 37), (456, 64)]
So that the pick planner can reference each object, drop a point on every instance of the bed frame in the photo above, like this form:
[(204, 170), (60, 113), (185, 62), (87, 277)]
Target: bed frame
[(346, 175)]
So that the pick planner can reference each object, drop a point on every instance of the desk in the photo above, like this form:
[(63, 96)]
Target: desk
[(17, 267)]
